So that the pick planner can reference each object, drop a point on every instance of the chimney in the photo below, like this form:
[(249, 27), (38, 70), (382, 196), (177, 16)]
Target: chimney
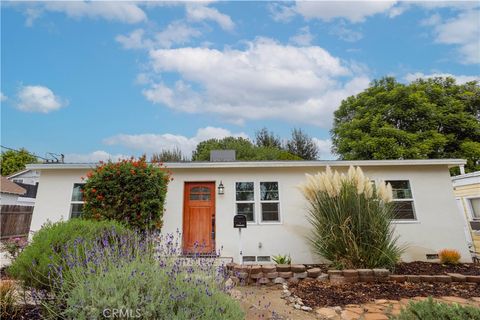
[(222, 155)]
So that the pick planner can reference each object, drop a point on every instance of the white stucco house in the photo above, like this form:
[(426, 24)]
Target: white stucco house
[(205, 196)]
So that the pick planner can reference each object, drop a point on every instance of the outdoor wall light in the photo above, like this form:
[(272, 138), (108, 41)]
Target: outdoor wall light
[(221, 188)]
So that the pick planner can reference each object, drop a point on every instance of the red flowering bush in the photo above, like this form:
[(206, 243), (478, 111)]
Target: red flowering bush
[(130, 191)]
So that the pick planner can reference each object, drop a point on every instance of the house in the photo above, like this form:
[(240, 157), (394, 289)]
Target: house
[(466, 188), (205, 196), (27, 179), (10, 192)]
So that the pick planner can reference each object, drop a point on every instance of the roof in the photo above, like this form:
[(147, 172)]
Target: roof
[(466, 179), (7, 186), (268, 164), (15, 174)]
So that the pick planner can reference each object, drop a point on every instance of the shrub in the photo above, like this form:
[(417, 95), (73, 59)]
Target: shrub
[(433, 310), (282, 259), (449, 256), (52, 243), (8, 307), (130, 191), (125, 276), (351, 219)]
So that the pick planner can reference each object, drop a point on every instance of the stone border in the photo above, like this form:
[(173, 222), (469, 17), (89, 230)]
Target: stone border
[(281, 274)]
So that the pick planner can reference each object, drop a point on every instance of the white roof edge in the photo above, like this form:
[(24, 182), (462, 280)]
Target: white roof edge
[(467, 175), (13, 175), (268, 164)]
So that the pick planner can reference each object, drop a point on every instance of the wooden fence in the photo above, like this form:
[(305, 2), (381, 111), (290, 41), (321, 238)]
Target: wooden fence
[(15, 221)]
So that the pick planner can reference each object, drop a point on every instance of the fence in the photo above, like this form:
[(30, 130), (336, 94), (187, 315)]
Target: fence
[(15, 221)]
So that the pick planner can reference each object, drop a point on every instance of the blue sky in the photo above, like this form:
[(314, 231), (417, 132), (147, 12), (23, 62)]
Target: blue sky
[(95, 80)]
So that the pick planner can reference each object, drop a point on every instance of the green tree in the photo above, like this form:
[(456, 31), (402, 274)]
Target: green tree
[(426, 119), (245, 150), (166, 155), (302, 145), (13, 161), (265, 138)]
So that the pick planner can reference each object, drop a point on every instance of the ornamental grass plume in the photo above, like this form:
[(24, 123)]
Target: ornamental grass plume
[(351, 219)]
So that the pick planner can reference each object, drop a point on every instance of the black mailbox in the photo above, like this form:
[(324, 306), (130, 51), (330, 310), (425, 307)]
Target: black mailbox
[(240, 221)]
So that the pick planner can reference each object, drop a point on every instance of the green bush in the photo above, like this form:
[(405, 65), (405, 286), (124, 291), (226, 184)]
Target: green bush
[(124, 277), (52, 242), (433, 310), (351, 220), (130, 191)]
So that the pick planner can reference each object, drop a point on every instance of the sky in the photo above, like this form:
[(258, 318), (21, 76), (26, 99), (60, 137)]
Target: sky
[(100, 80)]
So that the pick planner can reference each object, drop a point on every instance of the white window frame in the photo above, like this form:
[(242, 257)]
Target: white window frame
[(412, 199), (246, 201), (269, 201), (74, 202), (469, 207)]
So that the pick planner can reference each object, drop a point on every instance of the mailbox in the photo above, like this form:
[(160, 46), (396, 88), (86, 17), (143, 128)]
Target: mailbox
[(240, 221)]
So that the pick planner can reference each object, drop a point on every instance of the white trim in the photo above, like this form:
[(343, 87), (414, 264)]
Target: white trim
[(268, 164), (469, 207)]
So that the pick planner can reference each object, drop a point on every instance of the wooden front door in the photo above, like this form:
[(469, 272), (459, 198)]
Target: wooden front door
[(199, 217)]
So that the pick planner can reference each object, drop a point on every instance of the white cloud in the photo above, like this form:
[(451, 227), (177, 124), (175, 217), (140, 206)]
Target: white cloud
[(346, 34), (126, 12), (95, 156), (3, 97), (175, 33), (150, 143), (464, 32), (303, 37), (324, 148), (266, 80), (354, 11), (38, 99), (459, 78), (200, 12)]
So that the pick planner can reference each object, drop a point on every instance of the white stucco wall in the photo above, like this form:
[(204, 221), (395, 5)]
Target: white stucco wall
[(438, 223)]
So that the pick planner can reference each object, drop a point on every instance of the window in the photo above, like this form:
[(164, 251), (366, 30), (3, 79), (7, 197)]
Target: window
[(263, 258), (403, 199), (76, 206), (200, 193), (269, 201), (245, 199), (475, 207)]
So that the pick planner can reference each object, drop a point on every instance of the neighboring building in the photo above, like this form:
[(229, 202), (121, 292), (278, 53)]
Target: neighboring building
[(10, 192), (267, 193), (27, 179), (467, 191), (30, 177)]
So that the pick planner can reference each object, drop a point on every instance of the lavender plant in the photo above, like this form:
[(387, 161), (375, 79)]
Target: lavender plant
[(142, 276), (52, 242)]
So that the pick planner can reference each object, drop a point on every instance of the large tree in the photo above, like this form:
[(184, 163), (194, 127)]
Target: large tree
[(245, 150), (265, 138), (428, 118), (12, 161), (302, 145)]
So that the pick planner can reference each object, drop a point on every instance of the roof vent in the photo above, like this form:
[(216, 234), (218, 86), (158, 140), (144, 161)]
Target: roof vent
[(222, 155)]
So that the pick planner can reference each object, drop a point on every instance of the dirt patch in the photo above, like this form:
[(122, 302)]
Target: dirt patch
[(321, 294), (429, 268)]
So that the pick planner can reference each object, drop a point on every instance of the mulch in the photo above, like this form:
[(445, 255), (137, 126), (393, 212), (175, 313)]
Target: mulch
[(324, 294), (429, 268)]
